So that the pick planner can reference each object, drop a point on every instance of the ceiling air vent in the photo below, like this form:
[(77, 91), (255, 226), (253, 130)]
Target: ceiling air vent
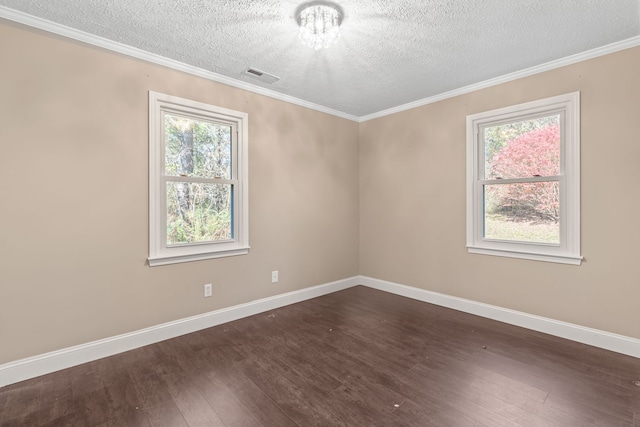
[(261, 75)]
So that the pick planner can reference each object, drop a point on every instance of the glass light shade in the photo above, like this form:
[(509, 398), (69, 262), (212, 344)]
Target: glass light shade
[(319, 25)]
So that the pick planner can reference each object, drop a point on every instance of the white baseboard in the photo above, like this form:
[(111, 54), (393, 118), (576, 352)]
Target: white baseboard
[(31, 367), (597, 338)]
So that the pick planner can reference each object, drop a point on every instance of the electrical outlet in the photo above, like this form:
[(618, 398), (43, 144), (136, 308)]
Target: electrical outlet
[(208, 290), (274, 276)]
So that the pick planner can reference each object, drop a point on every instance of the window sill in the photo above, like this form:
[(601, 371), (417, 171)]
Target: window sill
[(560, 259), (175, 259)]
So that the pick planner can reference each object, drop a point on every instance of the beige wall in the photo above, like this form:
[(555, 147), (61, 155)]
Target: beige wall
[(74, 188), (328, 199), (412, 201)]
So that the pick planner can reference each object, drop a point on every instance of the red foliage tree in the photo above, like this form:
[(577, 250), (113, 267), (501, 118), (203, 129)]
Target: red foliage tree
[(535, 153)]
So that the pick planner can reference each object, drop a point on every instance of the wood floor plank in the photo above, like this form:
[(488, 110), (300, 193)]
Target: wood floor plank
[(594, 412), (294, 366), (180, 385), (301, 405), (196, 410), (434, 414), (224, 402), (261, 406), (588, 394), (165, 415), (21, 399), (355, 357)]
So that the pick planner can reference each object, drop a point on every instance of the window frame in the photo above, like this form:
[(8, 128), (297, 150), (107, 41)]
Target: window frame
[(160, 253), (568, 250)]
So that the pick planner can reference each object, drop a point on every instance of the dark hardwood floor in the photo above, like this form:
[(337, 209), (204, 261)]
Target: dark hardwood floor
[(358, 357)]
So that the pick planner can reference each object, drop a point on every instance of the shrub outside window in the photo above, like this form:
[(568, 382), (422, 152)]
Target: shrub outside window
[(197, 181), (523, 181)]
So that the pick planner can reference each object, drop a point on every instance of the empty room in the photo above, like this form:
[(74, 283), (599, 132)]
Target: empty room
[(349, 213)]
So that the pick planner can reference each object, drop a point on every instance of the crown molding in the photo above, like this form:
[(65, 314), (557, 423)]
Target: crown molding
[(72, 33), (579, 57), (81, 36)]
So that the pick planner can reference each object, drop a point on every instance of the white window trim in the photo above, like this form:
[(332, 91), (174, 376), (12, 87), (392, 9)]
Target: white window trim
[(568, 251), (159, 252)]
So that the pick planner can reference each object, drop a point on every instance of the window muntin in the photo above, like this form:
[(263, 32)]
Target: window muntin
[(521, 189), (523, 181), (198, 181)]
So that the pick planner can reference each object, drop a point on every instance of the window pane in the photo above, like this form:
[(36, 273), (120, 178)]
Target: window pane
[(524, 212), (197, 148), (523, 149), (198, 212)]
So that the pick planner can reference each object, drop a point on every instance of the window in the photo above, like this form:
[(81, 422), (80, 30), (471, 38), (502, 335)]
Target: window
[(523, 181), (198, 195)]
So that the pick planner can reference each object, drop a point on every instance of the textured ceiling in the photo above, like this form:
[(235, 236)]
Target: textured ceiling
[(390, 53)]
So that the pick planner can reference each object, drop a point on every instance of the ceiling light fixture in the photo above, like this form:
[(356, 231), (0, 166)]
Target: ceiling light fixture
[(319, 24)]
